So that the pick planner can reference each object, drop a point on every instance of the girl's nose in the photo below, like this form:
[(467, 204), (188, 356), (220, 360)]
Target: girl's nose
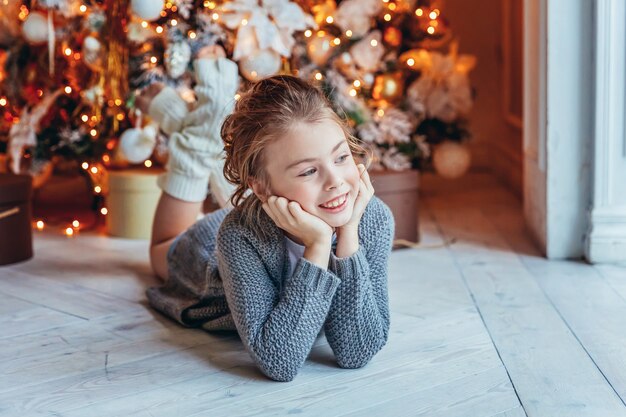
[(333, 180)]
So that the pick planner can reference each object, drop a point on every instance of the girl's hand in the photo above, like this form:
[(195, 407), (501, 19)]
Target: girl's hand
[(289, 216), (366, 191), (348, 234)]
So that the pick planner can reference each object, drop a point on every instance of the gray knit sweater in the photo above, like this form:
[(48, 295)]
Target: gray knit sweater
[(241, 283)]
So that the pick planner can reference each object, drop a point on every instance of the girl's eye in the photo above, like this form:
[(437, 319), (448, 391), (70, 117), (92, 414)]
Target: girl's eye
[(308, 172), (342, 158)]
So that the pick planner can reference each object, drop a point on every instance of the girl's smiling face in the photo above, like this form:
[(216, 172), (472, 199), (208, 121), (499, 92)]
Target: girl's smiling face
[(313, 165)]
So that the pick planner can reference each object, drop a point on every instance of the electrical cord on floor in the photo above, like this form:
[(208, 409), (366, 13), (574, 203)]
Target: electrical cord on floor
[(403, 243)]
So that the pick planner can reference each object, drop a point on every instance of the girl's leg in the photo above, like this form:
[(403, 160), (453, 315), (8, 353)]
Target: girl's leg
[(172, 217)]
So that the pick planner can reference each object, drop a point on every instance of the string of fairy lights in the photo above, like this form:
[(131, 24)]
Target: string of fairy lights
[(96, 170)]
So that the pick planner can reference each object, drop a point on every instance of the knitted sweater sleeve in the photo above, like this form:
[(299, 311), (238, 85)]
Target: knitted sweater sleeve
[(278, 327), (357, 326)]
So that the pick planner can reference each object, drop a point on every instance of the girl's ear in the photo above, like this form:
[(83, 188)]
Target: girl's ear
[(259, 189)]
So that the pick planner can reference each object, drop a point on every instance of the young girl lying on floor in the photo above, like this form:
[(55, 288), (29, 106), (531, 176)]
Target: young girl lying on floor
[(303, 249)]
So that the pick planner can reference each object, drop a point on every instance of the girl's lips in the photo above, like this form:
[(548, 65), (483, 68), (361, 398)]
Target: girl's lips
[(339, 207)]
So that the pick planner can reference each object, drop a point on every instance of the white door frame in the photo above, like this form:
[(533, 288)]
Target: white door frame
[(559, 41)]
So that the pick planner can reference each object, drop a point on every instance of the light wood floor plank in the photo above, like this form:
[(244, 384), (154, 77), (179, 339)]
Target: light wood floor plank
[(540, 353)]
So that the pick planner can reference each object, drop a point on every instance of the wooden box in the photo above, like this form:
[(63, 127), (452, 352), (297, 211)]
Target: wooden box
[(16, 235), (399, 190)]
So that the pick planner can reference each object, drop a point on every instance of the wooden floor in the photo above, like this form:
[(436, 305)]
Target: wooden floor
[(483, 327)]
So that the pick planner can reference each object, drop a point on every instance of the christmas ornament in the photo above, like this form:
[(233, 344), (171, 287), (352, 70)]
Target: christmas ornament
[(267, 24), (161, 150), (23, 134), (260, 64), (388, 86), (91, 52), (137, 143), (35, 28), (320, 48), (177, 56), (367, 52), (392, 36), (322, 10), (148, 10), (356, 15), (451, 159)]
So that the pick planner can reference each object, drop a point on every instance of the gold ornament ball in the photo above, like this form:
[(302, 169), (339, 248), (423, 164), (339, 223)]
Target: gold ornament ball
[(392, 36), (388, 86), (319, 48), (451, 159)]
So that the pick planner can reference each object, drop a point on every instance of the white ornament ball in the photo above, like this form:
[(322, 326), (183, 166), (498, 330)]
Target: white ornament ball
[(35, 28), (91, 51), (177, 56), (320, 49), (136, 145), (451, 159), (148, 10), (261, 64)]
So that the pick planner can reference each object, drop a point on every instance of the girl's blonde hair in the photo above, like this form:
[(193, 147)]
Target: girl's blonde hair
[(267, 111)]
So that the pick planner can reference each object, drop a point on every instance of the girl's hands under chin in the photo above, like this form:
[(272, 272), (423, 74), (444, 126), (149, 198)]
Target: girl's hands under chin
[(365, 193), (289, 216)]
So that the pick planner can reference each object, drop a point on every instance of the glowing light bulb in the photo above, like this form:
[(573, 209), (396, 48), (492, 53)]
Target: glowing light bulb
[(381, 112), (173, 22), (93, 133), (308, 33), (387, 17), (432, 15), (419, 12), (244, 22), (82, 8), (69, 232), (215, 16), (352, 92), (349, 33), (330, 20), (97, 189), (159, 29), (192, 35), (144, 24), (84, 118), (237, 96), (336, 41), (94, 170), (76, 224), (106, 158), (374, 42), (392, 6), (153, 59), (318, 76), (84, 165), (67, 51), (430, 30), (147, 163), (3, 101), (40, 225), (356, 83), (104, 211), (68, 89), (410, 62)]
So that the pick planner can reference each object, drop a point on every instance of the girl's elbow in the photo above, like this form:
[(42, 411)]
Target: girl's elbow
[(280, 373)]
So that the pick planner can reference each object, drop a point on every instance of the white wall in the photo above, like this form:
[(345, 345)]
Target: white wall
[(606, 241)]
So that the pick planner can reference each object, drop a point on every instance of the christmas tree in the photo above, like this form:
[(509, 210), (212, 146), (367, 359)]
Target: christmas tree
[(70, 71)]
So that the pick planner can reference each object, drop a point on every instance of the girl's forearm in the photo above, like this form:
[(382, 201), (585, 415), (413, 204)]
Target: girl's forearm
[(347, 242), (318, 253)]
